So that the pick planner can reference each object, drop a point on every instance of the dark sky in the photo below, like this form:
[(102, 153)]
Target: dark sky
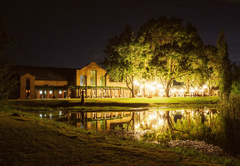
[(72, 33)]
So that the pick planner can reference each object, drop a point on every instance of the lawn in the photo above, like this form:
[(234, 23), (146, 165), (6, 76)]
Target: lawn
[(31, 141), (120, 102)]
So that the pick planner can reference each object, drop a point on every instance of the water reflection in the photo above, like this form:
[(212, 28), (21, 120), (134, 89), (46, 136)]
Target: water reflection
[(46, 116), (206, 124), (98, 120), (153, 119)]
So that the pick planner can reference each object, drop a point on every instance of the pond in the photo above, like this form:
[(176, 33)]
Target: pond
[(209, 125)]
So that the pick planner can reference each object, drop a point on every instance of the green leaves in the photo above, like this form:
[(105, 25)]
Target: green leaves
[(7, 81), (174, 48), (224, 67), (163, 50), (126, 57)]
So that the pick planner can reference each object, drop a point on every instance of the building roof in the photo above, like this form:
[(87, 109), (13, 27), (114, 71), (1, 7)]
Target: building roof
[(47, 73)]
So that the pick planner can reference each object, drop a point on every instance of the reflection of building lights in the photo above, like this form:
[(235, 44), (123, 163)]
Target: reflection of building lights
[(40, 115), (143, 122), (60, 112), (181, 90), (152, 87), (136, 126), (205, 86), (148, 85), (160, 122), (153, 126)]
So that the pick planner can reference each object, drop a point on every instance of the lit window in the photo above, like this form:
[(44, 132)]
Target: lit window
[(83, 80), (102, 81), (45, 92), (50, 92), (93, 78), (40, 92), (60, 92)]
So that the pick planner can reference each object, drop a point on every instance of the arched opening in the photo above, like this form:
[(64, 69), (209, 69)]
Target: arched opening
[(27, 91)]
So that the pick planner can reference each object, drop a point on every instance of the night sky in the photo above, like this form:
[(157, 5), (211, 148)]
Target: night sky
[(73, 33)]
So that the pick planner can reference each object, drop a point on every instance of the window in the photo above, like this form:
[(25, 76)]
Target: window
[(50, 92), (83, 80), (27, 84), (93, 78), (45, 92), (102, 81), (40, 92), (60, 92)]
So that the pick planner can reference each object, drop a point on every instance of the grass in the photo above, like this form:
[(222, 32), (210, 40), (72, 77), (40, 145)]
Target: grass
[(28, 140), (125, 103)]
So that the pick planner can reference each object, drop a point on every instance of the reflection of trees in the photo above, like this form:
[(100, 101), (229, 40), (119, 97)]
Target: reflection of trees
[(230, 115), (202, 125), (130, 123)]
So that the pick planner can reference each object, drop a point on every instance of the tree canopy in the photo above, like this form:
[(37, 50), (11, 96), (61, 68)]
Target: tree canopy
[(7, 83), (126, 58), (165, 50), (225, 66), (235, 88), (175, 49), (211, 70)]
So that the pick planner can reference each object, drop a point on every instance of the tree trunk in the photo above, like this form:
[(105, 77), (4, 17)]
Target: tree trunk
[(166, 92), (132, 87), (130, 81), (187, 86), (167, 88), (210, 90)]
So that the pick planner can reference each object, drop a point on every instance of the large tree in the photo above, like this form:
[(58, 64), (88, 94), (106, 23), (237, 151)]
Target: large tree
[(235, 88), (126, 59), (175, 49), (7, 82), (225, 66), (211, 70)]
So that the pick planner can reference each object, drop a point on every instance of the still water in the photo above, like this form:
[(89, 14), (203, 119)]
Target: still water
[(209, 125), (152, 119)]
